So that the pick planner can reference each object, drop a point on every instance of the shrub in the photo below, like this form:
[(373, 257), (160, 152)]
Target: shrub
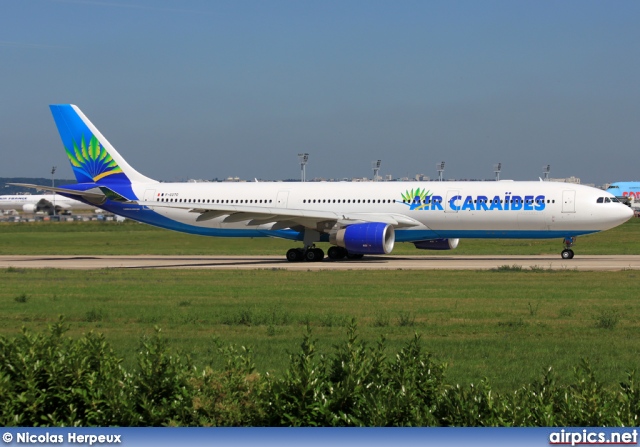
[(508, 268), (51, 380), (607, 319), (355, 386), (406, 319), (22, 298), (162, 382), (381, 319), (229, 397), (94, 315)]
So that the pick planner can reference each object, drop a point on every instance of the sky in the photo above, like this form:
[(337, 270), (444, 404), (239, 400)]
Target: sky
[(207, 89)]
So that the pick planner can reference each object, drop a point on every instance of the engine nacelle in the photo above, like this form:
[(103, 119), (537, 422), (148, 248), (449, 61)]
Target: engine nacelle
[(29, 208), (375, 238), (437, 244)]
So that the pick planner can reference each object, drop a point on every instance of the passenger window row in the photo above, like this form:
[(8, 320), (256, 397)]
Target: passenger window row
[(485, 201), (347, 201), (225, 201), (425, 201)]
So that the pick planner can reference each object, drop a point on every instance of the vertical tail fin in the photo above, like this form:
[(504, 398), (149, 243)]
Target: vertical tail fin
[(92, 157)]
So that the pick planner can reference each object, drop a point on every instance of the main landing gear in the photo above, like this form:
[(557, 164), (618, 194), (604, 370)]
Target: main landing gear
[(568, 242), (310, 254), (313, 254)]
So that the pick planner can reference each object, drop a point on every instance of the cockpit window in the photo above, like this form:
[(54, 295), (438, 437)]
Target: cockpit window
[(607, 200), (614, 187)]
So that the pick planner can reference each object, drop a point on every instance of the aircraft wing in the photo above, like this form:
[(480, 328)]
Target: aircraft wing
[(284, 217)]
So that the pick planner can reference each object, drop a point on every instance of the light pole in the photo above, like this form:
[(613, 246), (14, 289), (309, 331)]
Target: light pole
[(53, 185), (304, 158), (496, 170)]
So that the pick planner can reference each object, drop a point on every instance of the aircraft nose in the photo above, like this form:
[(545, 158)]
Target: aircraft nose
[(615, 215), (625, 213)]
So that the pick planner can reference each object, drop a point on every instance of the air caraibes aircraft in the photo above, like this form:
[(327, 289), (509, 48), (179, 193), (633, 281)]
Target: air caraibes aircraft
[(356, 218)]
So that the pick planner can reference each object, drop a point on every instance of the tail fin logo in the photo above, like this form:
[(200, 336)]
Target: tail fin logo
[(92, 160)]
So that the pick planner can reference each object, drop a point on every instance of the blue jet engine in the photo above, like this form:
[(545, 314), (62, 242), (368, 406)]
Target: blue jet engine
[(375, 238)]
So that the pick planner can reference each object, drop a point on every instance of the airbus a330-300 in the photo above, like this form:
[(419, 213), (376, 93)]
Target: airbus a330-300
[(355, 218)]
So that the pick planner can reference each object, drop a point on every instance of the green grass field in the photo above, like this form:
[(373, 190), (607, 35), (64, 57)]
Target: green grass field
[(506, 325)]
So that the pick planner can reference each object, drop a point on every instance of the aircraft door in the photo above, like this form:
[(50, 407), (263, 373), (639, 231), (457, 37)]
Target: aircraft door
[(149, 196), (447, 204), (282, 199), (568, 201)]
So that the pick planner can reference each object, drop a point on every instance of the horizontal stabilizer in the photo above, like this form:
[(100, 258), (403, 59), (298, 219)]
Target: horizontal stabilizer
[(112, 195)]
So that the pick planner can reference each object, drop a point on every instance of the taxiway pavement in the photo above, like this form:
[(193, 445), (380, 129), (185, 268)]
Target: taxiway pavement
[(458, 262)]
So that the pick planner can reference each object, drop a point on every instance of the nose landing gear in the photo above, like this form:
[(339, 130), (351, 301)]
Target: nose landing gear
[(568, 242)]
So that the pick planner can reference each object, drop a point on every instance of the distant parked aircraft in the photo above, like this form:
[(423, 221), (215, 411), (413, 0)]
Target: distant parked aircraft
[(356, 218), (48, 203), (625, 189)]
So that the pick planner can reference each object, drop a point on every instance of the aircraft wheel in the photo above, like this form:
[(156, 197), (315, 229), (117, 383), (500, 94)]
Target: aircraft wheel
[(567, 253), (294, 255), (314, 255), (336, 253)]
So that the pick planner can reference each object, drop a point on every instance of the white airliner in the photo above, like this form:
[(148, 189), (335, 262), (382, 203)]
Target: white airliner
[(356, 218), (48, 203)]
